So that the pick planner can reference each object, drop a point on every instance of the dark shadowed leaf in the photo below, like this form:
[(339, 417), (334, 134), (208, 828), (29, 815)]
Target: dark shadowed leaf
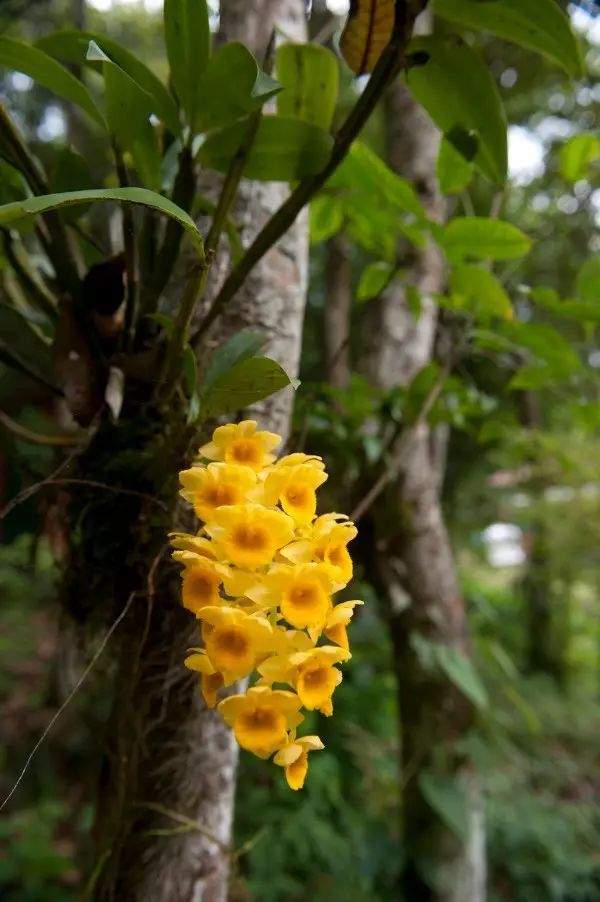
[(232, 86)]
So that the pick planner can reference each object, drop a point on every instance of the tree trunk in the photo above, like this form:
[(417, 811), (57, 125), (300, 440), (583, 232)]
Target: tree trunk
[(165, 810), (338, 303), (414, 563)]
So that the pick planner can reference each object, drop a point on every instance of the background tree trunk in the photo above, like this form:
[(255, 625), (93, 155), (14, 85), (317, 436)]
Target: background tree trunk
[(338, 304), (413, 557), (168, 756)]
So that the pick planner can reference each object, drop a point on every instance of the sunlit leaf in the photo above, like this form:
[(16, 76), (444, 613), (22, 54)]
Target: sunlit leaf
[(539, 25), (309, 76), (46, 71), (481, 238), (187, 36)]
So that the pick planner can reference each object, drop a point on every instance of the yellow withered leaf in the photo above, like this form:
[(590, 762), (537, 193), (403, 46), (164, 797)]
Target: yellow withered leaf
[(367, 32)]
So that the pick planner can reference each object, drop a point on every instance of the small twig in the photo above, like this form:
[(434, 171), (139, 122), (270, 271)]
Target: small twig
[(37, 438), (68, 699), (32, 489), (395, 464), (187, 822)]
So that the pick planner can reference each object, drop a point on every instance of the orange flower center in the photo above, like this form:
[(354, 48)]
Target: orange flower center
[(245, 451), (297, 495), (201, 586), (336, 555), (250, 538), (261, 724), (316, 679), (232, 641), (220, 494), (304, 596)]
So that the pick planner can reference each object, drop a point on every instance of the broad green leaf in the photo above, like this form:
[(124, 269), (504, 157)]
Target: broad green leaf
[(128, 110), (284, 149), (48, 72), (232, 85), (309, 75), (586, 310), (481, 238), (553, 357), (461, 671), (577, 155), (240, 346), (32, 206), (588, 280), (373, 279), (538, 25), (443, 793), (248, 381), (484, 295), (365, 175), (326, 217), (458, 91), (187, 36), (71, 46), (454, 173)]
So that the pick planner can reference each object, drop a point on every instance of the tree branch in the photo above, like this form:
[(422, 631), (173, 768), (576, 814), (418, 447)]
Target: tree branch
[(387, 66)]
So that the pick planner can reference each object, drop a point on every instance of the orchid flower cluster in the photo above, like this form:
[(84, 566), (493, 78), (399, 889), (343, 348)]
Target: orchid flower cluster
[(260, 576)]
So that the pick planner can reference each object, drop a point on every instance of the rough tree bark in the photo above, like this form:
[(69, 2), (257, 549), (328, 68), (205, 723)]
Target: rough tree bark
[(167, 755), (338, 303), (412, 557)]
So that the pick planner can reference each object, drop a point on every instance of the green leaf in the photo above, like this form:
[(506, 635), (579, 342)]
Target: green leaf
[(310, 78), (240, 346), (32, 206), (12, 184), (373, 279), (538, 25), (481, 238), (583, 311), (461, 671), (458, 91), (483, 293), (365, 176), (588, 280), (454, 173), (71, 46), (326, 217), (246, 382), (232, 86), (444, 795), (554, 358), (48, 72), (190, 378), (128, 110), (577, 155), (187, 36), (284, 149)]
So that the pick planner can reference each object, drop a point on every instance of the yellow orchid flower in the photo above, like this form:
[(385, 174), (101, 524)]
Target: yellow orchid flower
[(202, 578), (235, 641), (317, 677), (262, 718), (242, 444), (216, 485), (295, 488), (210, 679), (249, 535), (293, 756), (338, 620), (302, 592), (198, 545), (326, 540)]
